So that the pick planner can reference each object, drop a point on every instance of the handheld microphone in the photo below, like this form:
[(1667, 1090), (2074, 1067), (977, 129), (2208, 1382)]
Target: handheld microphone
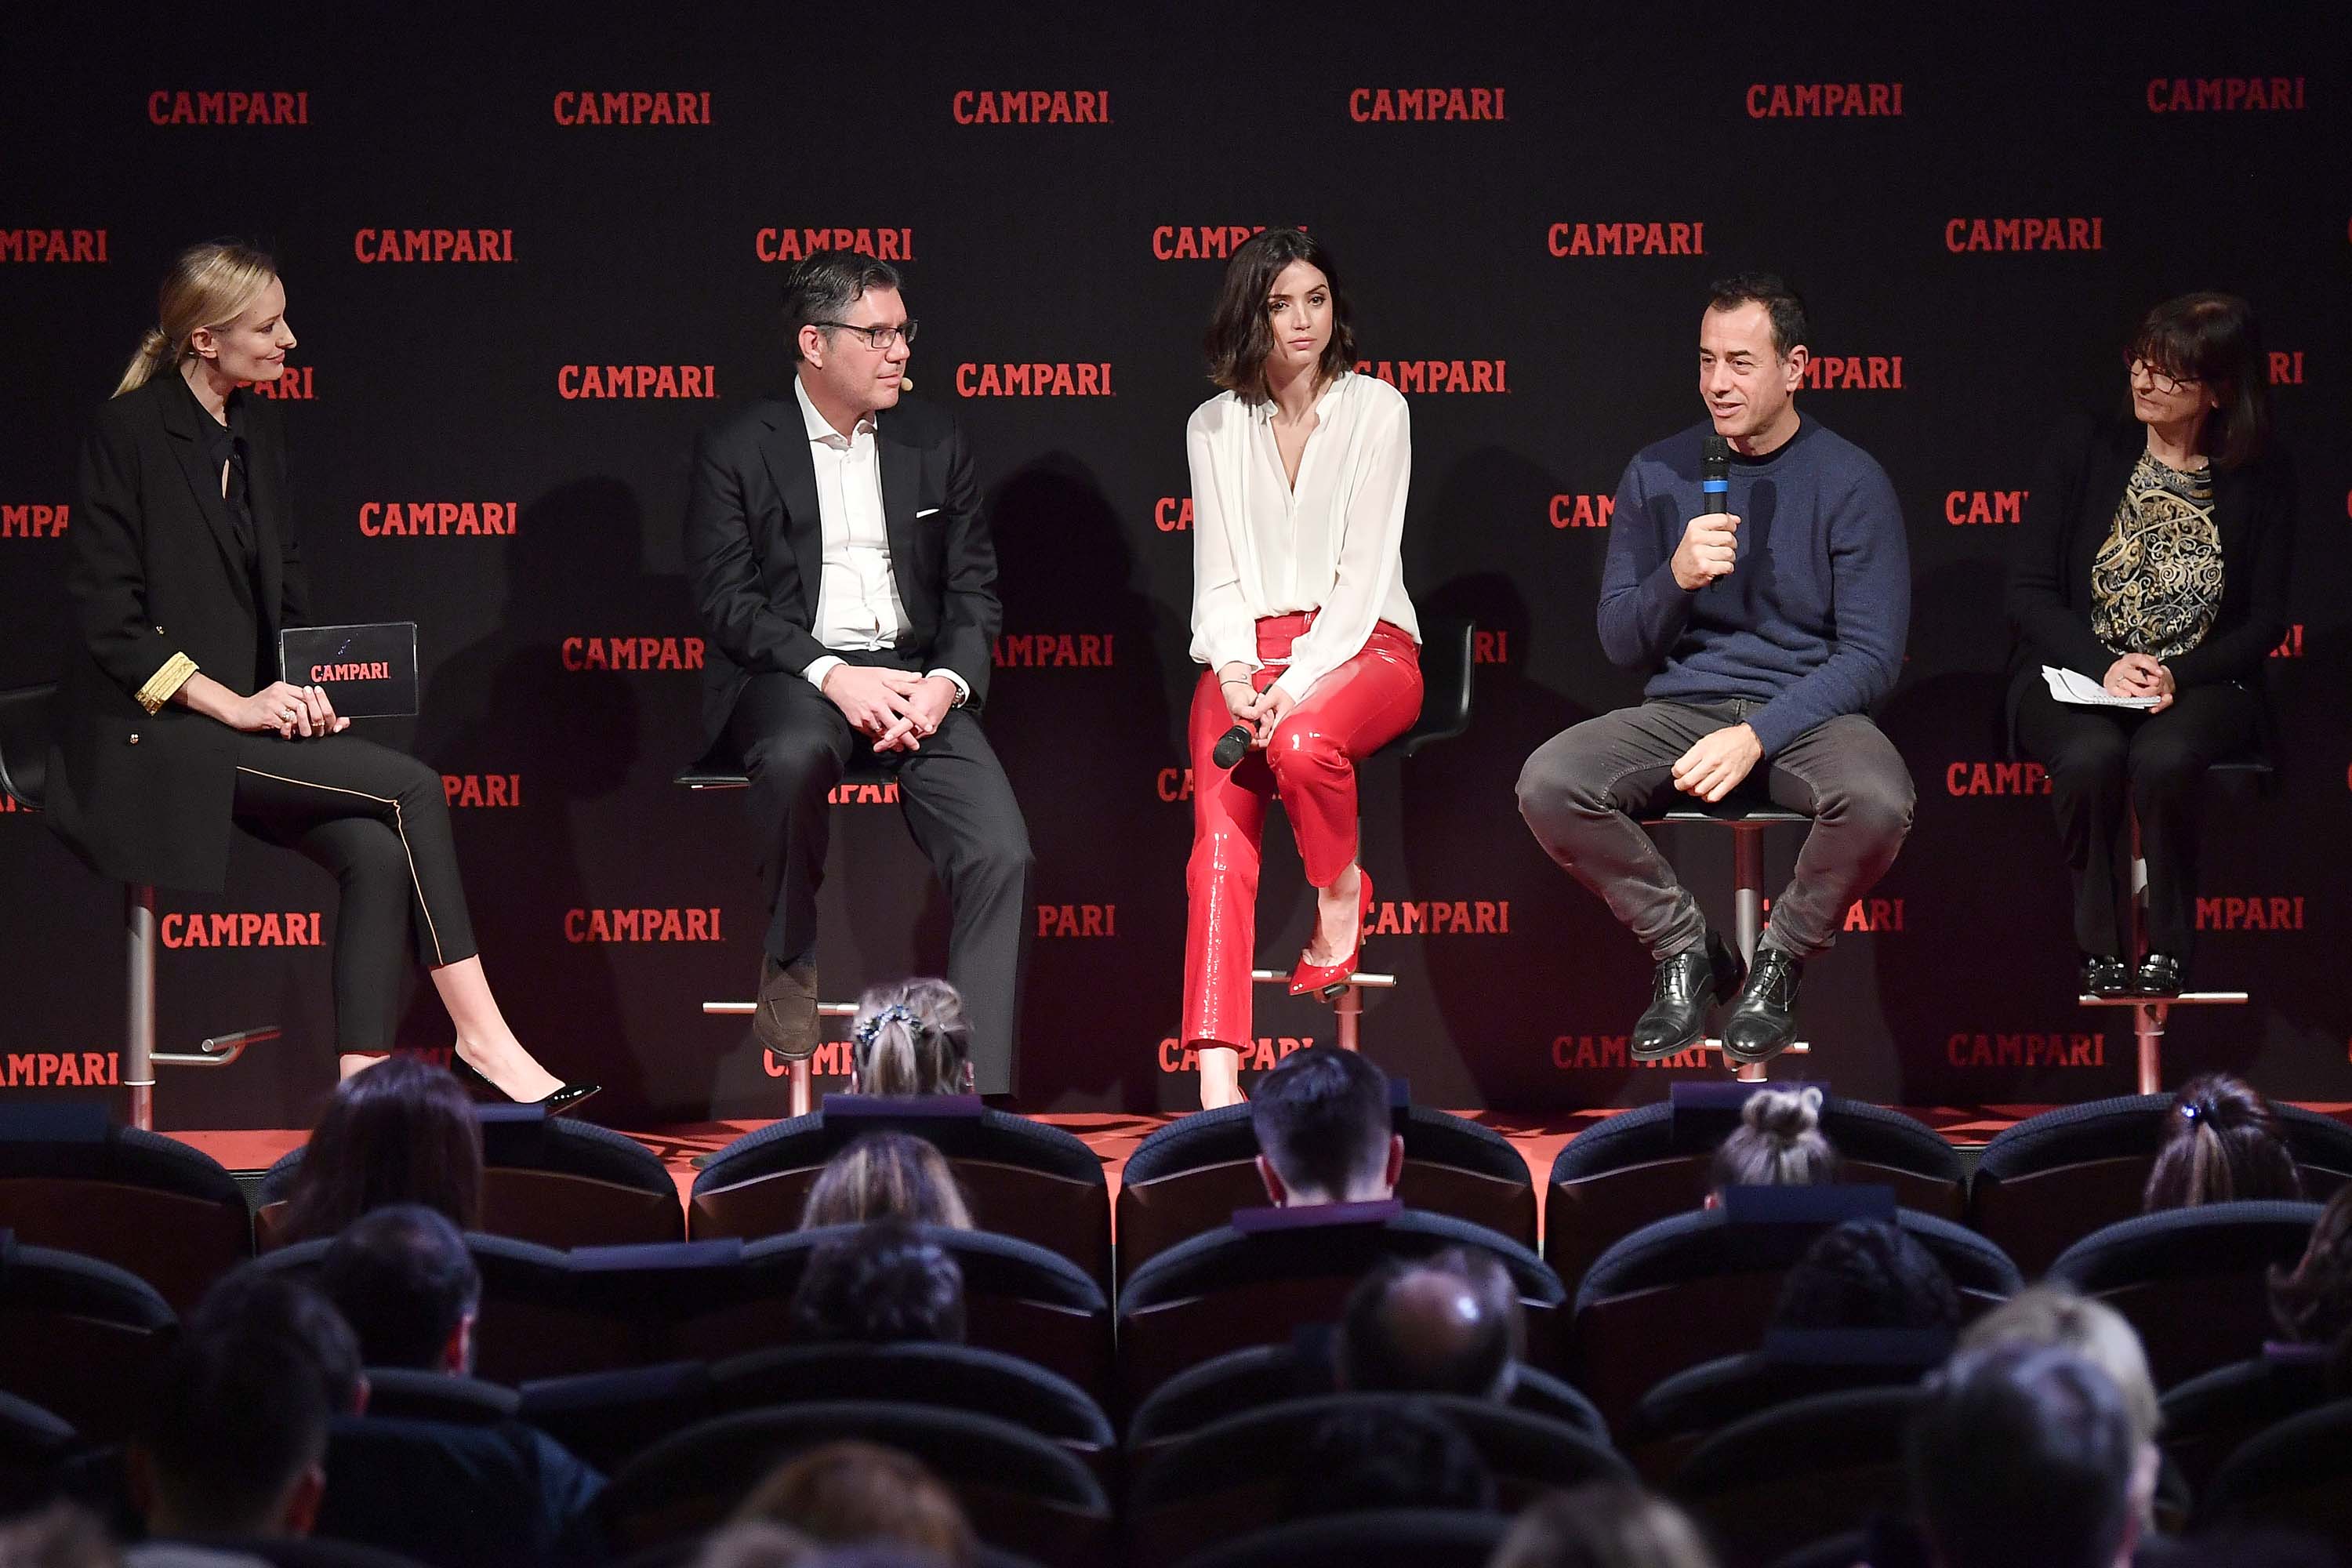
[(1715, 476), (1232, 744)]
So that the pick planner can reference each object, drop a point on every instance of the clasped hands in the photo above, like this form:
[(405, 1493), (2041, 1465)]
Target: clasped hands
[(1713, 768), (896, 707), (2138, 674), (1261, 710)]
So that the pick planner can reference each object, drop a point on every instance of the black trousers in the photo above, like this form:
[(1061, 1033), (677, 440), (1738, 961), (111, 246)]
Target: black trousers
[(1583, 789), (377, 819), (2097, 757), (958, 805)]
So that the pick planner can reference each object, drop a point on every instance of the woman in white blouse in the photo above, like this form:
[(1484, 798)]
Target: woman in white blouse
[(1299, 470)]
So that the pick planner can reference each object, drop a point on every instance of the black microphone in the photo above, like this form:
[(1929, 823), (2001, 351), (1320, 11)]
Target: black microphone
[(1232, 744), (1715, 476)]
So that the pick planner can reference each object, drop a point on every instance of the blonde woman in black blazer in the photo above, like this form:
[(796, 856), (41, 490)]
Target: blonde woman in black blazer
[(183, 569), (2155, 560)]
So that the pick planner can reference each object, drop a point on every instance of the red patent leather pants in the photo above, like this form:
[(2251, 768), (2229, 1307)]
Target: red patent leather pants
[(1311, 764)]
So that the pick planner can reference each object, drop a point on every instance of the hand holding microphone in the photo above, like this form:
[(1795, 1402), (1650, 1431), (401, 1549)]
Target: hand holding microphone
[(1241, 695), (1710, 546)]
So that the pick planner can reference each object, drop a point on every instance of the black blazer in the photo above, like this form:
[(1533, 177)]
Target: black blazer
[(153, 570), (2066, 518), (754, 543)]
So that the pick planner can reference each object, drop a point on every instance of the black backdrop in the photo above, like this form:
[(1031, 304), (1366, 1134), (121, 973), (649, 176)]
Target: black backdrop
[(644, 244)]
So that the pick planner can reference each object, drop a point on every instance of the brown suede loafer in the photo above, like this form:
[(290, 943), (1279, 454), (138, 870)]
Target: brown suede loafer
[(785, 1017)]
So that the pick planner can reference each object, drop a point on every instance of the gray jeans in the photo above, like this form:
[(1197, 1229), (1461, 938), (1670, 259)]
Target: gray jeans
[(1583, 789)]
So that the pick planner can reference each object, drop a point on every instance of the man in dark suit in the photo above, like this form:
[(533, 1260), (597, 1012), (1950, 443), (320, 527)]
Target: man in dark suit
[(845, 578)]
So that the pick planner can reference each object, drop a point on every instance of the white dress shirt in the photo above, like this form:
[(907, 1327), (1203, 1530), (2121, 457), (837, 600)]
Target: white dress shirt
[(1332, 542), (857, 603)]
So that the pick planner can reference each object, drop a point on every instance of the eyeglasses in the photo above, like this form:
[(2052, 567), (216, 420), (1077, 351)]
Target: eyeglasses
[(2161, 382), (876, 338)]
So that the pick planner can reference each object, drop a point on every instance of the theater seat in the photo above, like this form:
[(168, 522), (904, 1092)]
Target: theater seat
[(457, 1495), (1024, 1179), (1258, 1375), (2208, 1416), (308, 1552), (1645, 1164), (142, 1202), (1236, 1287), (1190, 1175), (551, 1181), (2192, 1281), (414, 1396), (1019, 1298), (1679, 1413), (1688, 1290), (2053, 1179), (81, 1339), (950, 1377), (1424, 1537), (2289, 1477), (1018, 1489), (33, 1442), (544, 1313), (1234, 1476), (610, 1418), (1769, 1484)]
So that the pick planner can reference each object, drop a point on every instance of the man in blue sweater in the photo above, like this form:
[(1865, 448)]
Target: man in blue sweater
[(1769, 630)]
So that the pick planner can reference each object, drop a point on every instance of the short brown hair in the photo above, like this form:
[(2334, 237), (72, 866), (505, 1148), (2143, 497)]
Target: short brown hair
[(846, 1492), (2214, 339), (887, 1176), (1239, 339)]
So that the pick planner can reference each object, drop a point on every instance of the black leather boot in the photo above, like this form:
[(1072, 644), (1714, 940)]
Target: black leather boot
[(1680, 993), (2160, 975), (1764, 1021), (2105, 975)]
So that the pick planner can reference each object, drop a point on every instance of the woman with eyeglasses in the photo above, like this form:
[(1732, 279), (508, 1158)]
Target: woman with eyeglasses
[(1299, 471), (2155, 559)]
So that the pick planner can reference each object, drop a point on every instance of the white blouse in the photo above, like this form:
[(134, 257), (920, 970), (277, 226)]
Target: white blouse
[(1332, 543)]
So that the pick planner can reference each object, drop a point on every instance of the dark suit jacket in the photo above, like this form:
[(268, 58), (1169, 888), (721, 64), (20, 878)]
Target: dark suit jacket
[(2066, 518), (754, 543), (154, 569)]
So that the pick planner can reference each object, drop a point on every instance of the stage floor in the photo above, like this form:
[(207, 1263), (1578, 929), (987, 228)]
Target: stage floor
[(1114, 1137)]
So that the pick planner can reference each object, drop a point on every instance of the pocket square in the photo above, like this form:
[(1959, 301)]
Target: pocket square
[(925, 512)]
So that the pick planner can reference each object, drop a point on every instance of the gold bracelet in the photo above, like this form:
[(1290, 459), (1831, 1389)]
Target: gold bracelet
[(164, 682)]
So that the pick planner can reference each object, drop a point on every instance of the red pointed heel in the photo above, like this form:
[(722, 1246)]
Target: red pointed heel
[(1330, 979)]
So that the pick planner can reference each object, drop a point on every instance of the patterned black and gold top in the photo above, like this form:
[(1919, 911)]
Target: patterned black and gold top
[(2156, 583)]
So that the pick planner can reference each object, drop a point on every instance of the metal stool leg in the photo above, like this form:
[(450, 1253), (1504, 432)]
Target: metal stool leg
[(139, 1059), (797, 1102), (2148, 1018), (1350, 1009), (1747, 913)]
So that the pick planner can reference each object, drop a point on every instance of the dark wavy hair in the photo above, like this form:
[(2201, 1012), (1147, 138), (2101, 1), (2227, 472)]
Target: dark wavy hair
[(2214, 339), (2222, 1144), (2312, 1304), (1239, 339), (401, 1132)]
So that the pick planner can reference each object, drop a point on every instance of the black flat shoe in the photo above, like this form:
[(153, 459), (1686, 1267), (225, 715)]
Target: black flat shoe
[(1680, 993), (2104, 975), (1763, 1023), (2160, 975)]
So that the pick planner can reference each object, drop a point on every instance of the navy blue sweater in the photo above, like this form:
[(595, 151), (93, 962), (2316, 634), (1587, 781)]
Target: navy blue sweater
[(1812, 620)]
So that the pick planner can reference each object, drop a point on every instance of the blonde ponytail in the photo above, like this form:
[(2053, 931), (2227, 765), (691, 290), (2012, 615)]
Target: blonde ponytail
[(911, 1038), (208, 285)]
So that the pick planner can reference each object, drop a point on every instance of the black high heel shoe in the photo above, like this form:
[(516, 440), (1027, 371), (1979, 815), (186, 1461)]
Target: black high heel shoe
[(556, 1102)]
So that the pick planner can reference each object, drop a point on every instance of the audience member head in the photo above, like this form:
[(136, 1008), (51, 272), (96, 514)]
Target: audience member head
[(2025, 1453), (2312, 1303), (236, 1443), (62, 1535), (1389, 1453), (1450, 1324), (887, 1176), (1778, 1143), (849, 1492), (2221, 1145), (404, 1281), (1603, 1524), (882, 1283), (1867, 1274), (2054, 1315), (758, 1543), (910, 1037), (401, 1132), (1323, 1131)]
